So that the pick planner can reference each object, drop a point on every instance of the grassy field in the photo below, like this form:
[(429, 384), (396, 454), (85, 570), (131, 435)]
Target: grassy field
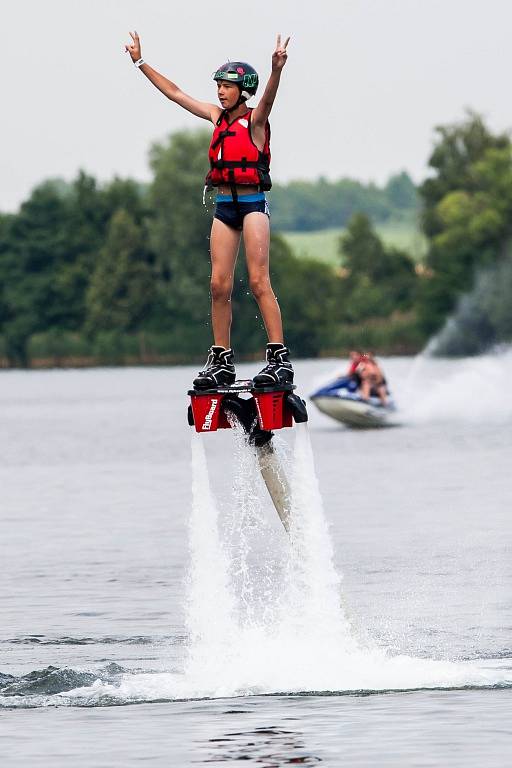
[(324, 244)]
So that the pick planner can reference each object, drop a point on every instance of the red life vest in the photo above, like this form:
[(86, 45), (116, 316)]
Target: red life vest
[(235, 158)]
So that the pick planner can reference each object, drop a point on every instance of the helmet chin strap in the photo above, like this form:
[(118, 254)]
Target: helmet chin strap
[(244, 95)]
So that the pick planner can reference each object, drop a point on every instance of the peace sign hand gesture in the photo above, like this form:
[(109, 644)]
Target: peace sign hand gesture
[(279, 56), (133, 48)]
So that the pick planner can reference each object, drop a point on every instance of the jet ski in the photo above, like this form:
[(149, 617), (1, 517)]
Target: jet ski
[(340, 400)]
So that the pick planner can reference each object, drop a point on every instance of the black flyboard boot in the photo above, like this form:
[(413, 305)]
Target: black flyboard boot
[(278, 369), (219, 370)]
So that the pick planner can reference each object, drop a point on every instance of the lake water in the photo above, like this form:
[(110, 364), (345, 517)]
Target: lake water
[(153, 610)]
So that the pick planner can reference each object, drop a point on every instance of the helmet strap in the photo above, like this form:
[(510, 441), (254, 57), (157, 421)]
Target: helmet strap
[(242, 98)]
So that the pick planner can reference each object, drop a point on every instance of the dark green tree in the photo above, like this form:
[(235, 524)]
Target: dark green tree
[(377, 280), (122, 285), (48, 254), (130, 196), (467, 214), (401, 192), (457, 149), (180, 229), (91, 209), (308, 298), (33, 246)]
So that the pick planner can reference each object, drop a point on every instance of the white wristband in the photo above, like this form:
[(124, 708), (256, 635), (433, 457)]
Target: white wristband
[(139, 63)]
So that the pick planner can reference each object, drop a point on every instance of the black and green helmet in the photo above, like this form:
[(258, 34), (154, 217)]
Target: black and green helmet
[(242, 74)]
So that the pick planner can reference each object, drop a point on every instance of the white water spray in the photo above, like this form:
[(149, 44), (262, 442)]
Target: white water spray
[(246, 526), (302, 641), (285, 628), (314, 586), (210, 603)]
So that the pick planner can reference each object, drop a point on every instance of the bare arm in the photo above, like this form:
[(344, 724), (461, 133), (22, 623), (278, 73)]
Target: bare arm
[(262, 111), (168, 88)]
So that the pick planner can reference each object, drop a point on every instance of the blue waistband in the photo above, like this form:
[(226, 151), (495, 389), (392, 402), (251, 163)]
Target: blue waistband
[(256, 197)]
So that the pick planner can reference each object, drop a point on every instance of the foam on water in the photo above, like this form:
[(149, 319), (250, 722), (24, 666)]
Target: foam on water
[(249, 636), (268, 670)]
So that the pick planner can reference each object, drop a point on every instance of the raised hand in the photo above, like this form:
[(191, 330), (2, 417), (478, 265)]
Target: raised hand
[(279, 56), (133, 48)]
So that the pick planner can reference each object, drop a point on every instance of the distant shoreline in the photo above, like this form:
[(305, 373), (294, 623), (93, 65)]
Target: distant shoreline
[(47, 363)]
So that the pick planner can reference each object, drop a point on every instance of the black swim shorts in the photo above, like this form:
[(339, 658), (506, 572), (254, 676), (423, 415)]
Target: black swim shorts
[(233, 214)]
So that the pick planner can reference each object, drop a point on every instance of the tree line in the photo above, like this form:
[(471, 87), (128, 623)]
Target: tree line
[(119, 272), (302, 206)]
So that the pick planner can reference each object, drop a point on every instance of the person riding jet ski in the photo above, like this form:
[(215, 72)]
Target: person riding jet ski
[(372, 378)]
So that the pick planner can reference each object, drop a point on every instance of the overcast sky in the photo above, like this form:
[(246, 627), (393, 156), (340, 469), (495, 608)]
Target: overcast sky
[(365, 83)]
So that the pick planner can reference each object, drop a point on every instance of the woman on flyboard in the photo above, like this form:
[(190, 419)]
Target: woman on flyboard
[(240, 170)]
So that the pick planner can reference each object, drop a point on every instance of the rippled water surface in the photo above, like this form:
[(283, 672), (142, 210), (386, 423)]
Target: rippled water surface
[(154, 610)]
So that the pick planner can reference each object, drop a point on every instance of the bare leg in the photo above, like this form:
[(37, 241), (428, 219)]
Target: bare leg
[(365, 389), (381, 391), (257, 244), (224, 244)]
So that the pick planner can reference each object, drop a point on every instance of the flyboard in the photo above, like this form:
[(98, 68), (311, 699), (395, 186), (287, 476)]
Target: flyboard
[(259, 411)]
